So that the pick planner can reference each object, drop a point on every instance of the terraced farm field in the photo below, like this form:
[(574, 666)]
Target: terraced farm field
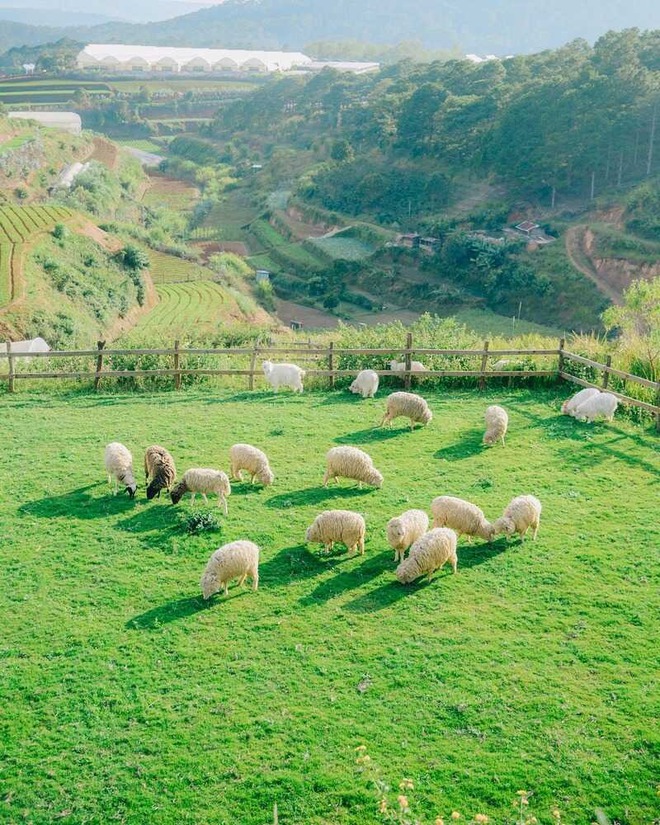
[(18, 224), (166, 269), (170, 192), (187, 308)]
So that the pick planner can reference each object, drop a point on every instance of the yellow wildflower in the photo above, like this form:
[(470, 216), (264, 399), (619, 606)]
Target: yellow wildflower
[(556, 813), (455, 815), (481, 818), (361, 748), (439, 821), (382, 806), (406, 785)]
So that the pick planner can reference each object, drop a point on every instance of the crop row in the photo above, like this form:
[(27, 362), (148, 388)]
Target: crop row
[(19, 223), (184, 308)]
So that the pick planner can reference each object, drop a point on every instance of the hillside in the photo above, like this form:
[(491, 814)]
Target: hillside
[(474, 26)]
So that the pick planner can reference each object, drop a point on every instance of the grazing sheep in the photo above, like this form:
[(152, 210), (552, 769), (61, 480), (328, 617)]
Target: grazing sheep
[(283, 375), (571, 404), (404, 530), (596, 406), (202, 480), (462, 516), (119, 465), (497, 421), (520, 514), (428, 554), (159, 467), (236, 560), (349, 462), (400, 366), (365, 383), (247, 457), (407, 405), (344, 526)]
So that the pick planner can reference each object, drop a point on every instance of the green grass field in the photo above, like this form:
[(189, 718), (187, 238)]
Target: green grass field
[(128, 699), (344, 248)]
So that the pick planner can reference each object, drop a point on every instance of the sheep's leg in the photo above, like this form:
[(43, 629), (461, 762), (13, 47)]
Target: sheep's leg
[(255, 580), (254, 475), (222, 499), (359, 485), (503, 444), (326, 478), (204, 496), (226, 585), (241, 581), (192, 499), (536, 529), (522, 535), (361, 546), (384, 420), (454, 563)]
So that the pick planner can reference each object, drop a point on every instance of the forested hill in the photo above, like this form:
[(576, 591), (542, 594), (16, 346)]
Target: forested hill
[(560, 119), (506, 27)]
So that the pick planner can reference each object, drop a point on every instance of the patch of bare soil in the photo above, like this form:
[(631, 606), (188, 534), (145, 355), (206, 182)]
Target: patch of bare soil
[(105, 152), (85, 227), (210, 248)]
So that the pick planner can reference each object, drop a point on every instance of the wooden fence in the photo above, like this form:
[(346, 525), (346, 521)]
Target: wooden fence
[(324, 360)]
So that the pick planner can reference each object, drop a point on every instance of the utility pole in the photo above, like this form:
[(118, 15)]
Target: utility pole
[(593, 184), (554, 195), (618, 177)]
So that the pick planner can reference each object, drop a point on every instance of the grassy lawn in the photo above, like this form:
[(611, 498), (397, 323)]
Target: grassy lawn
[(125, 698)]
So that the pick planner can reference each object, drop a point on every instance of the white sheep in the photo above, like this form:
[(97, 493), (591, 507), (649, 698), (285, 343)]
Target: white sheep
[(407, 405), (283, 375), (428, 554), (202, 480), (247, 457), (571, 404), (159, 467), (520, 514), (596, 406), (462, 516), (119, 465), (404, 530), (343, 526), (497, 421), (350, 462), (400, 366), (365, 383), (236, 560)]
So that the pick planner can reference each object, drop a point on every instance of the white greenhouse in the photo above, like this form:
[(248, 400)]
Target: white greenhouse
[(67, 121), (120, 58)]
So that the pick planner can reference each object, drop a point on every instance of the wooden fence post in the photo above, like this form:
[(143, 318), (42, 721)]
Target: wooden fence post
[(562, 343), (253, 362), (177, 375), (484, 364), (99, 364), (275, 817), (331, 363), (657, 404), (606, 375), (408, 359), (10, 367)]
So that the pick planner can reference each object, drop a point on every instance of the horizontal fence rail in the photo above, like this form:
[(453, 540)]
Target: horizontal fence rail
[(324, 360)]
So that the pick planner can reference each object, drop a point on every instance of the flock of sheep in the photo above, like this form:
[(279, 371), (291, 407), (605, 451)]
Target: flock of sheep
[(428, 550)]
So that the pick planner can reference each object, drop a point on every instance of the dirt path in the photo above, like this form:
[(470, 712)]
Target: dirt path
[(581, 261)]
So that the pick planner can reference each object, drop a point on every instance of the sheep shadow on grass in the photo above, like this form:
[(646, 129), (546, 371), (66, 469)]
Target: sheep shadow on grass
[(149, 518), (470, 443), (170, 612), (315, 495), (295, 563), (372, 566), (371, 435), (80, 504)]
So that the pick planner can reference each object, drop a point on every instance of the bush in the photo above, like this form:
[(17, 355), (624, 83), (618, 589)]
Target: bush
[(132, 257), (200, 520), (60, 231)]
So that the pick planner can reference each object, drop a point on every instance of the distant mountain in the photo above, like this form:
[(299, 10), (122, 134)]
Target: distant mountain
[(35, 16), (481, 26), (19, 34), (509, 26)]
